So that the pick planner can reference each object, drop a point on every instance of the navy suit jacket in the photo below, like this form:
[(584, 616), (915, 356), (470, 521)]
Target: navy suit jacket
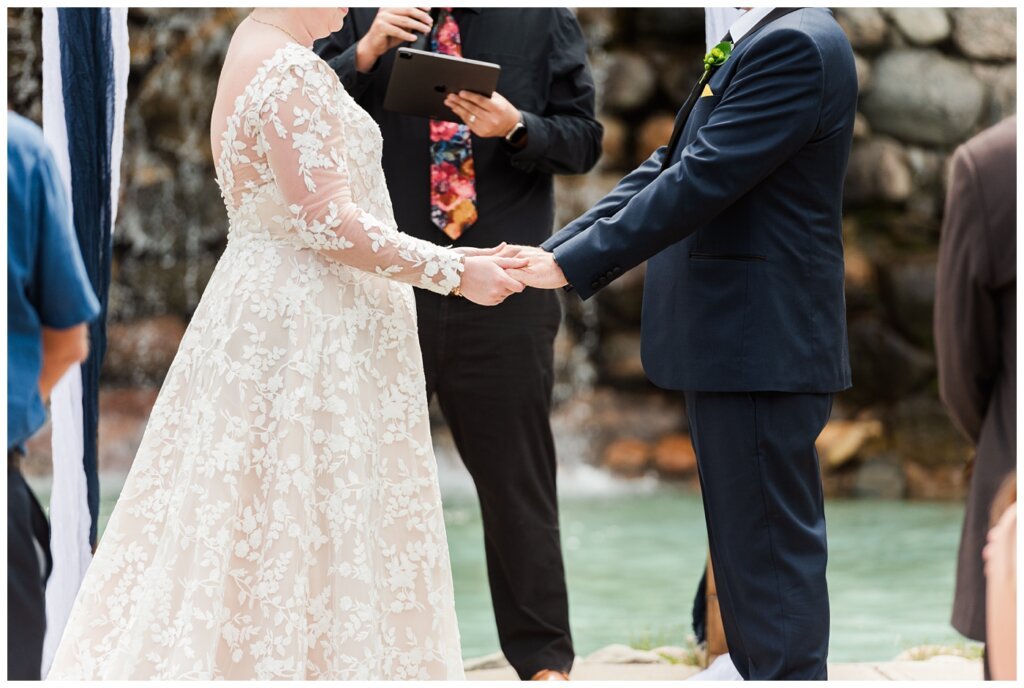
[(743, 231)]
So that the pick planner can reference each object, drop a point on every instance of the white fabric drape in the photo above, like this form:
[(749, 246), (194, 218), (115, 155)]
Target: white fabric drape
[(69, 508), (70, 520)]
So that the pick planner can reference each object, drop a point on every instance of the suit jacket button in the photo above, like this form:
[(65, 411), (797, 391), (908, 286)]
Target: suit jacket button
[(595, 285), (617, 271), (603, 280)]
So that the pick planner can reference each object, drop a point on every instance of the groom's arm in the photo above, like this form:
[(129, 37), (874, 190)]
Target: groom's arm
[(770, 109), (627, 187)]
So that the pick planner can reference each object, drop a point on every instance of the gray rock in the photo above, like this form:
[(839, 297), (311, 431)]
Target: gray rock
[(670, 22), (140, 352), (908, 292), (574, 195), (492, 661), (628, 82), (864, 26), (987, 33), (861, 128), (922, 96), (620, 358), (886, 367), (623, 654), (614, 143), (1002, 83), (880, 478), (921, 432), (921, 26), (878, 170), (864, 73)]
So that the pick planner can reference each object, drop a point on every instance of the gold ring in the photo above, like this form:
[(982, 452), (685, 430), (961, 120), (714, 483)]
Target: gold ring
[(472, 119)]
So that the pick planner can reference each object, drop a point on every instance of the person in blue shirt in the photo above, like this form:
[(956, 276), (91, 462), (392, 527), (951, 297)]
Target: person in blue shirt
[(49, 304)]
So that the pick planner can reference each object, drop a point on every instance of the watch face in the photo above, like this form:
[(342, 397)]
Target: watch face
[(517, 134)]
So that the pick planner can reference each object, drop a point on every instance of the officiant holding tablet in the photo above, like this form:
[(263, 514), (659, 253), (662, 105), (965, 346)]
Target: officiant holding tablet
[(478, 183)]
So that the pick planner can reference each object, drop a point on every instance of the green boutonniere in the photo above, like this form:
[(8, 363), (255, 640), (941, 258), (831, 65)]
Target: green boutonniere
[(716, 57)]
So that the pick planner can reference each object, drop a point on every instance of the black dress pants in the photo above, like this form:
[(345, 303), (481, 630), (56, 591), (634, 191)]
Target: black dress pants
[(492, 371), (764, 508), (28, 567)]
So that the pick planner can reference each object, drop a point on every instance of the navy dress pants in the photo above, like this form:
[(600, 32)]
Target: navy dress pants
[(765, 516)]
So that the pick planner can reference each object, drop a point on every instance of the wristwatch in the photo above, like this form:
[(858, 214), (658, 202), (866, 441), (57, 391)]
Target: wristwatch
[(518, 132)]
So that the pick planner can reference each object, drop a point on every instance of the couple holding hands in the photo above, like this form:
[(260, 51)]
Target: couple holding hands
[(282, 518)]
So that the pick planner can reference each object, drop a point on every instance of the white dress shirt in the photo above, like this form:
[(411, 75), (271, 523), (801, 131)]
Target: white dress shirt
[(742, 26)]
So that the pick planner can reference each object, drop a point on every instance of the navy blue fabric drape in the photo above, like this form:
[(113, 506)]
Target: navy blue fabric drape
[(87, 72)]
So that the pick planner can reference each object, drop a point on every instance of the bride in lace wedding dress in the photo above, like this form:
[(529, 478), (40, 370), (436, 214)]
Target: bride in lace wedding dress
[(282, 518)]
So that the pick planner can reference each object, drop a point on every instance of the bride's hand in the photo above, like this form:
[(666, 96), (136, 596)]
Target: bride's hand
[(503, 249), (484, 280)]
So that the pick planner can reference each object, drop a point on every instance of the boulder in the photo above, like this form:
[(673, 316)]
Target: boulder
[(863, 67), (614, 144), (921, 25), (920, 432), (986, 33), (621, 302), (936, 482), (864, 26), (681, 69), (885, 366), (878, 170), (673, 23), (880, 478), (861, 287), (908, 291), (654, 133), (149, 285), (1002, 83), (674, 456), (140, 352), (861, 128), (575, 194), (629, 457), (620, 358), (629, 80), (841, 440), (124, 414), (922, 96), (623, 654)]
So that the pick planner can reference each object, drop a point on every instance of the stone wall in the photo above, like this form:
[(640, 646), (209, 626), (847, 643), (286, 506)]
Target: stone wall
[(929, 79)]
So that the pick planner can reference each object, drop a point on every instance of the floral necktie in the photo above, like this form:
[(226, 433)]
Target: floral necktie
[(452, 178)]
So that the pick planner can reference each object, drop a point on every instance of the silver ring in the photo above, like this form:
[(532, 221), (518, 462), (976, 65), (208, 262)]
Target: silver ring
[(472, 119)]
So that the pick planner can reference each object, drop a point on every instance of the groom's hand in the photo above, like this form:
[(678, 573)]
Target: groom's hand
[(542, 272)]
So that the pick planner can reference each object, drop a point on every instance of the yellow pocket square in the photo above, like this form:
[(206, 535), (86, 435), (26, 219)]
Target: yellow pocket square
[(707, 91)]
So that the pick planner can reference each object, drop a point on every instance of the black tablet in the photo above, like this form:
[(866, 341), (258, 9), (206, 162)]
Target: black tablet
[(421, 80)]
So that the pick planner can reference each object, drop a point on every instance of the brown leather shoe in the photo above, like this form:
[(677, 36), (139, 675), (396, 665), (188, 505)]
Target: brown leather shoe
[(550, 675)]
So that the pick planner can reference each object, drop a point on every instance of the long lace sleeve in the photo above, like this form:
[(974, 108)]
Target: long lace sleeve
[(302, 136)]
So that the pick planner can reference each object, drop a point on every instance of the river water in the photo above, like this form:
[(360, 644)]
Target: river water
[(634, 553)]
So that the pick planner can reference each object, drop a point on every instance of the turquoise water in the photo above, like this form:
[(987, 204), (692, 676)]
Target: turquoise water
[(634, 554), (633, 562)]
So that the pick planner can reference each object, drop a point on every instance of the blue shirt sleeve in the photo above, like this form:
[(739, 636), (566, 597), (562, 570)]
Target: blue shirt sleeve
[(63, 294)]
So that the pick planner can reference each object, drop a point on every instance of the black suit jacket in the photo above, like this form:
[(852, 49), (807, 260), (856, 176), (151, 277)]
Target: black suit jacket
[(976, 338), (744, 287), (544, 73)]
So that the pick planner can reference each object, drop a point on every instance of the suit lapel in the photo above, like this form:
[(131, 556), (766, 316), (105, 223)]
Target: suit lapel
[(691, 100)]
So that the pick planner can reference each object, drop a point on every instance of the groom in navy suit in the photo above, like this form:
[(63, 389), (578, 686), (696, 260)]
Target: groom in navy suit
[(740, 218)]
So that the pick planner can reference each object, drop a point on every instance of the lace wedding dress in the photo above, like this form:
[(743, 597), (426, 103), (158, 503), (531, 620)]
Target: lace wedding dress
[(282, 518)]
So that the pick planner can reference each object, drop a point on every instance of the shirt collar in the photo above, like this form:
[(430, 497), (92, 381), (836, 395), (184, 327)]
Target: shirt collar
[(746, 21)]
